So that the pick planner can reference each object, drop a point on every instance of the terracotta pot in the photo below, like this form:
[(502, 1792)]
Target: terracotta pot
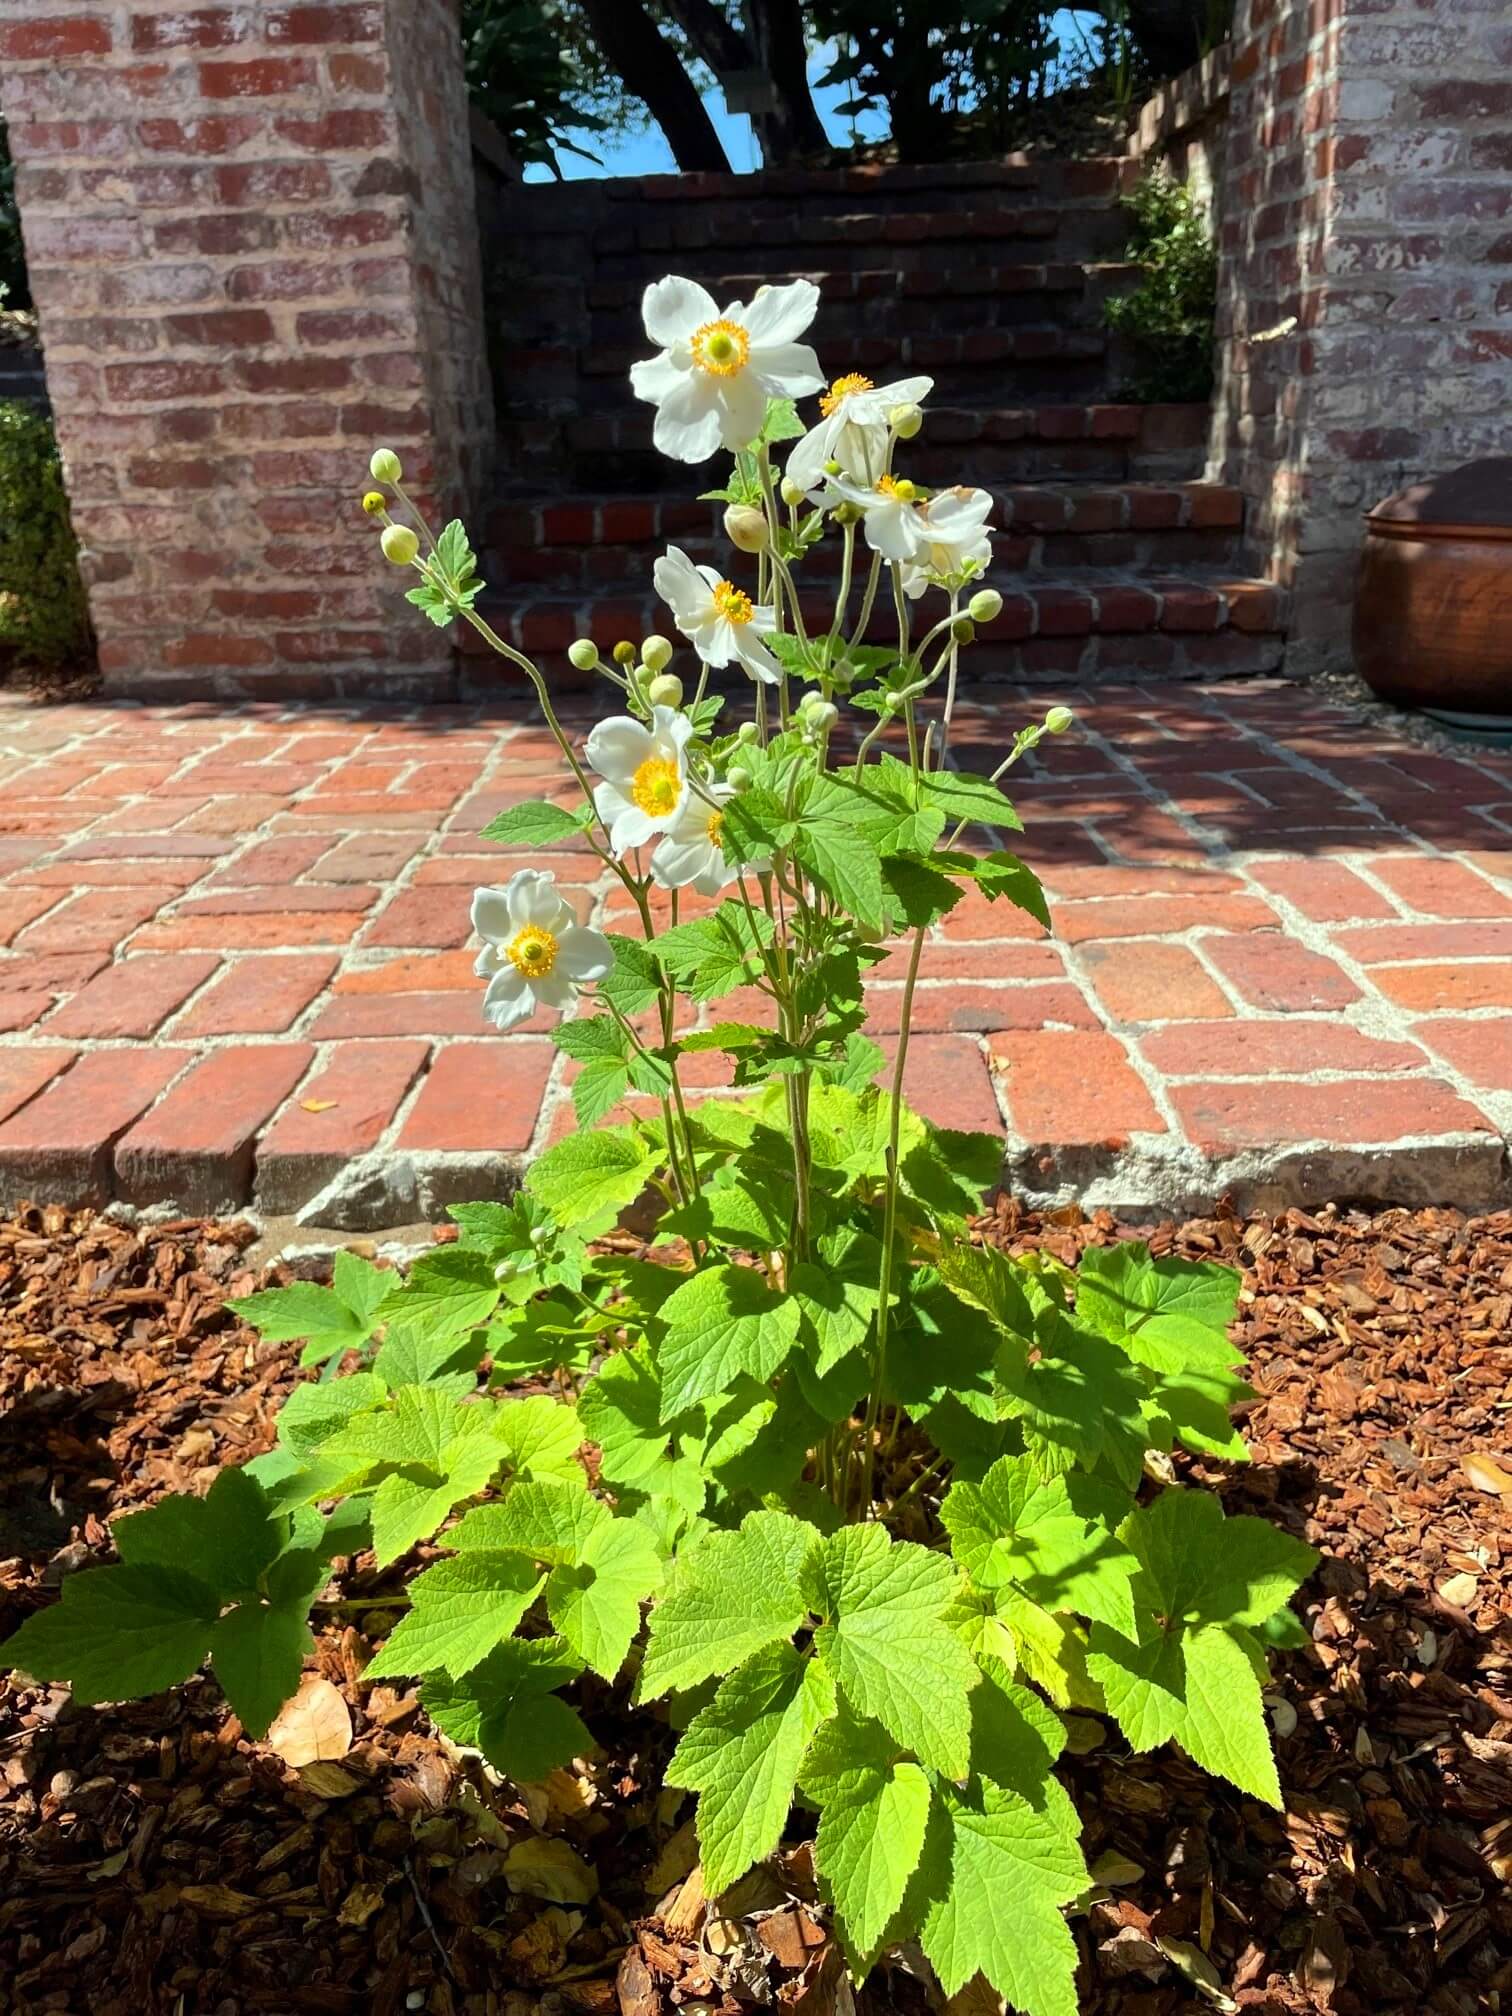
[(1433, 611)]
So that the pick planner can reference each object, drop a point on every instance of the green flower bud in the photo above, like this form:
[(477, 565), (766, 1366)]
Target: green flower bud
[(906, 421), (384, 466), (808, 701), (746, 528), (583, 653), (1058, 720), (962, 630), (374, 503), (822, 718), (985, 605), (656, 653), (665, 690), (847, 514), (505, 1271), (399, 544), (746, 732), (624, 653), (792, 493), (739, 779)]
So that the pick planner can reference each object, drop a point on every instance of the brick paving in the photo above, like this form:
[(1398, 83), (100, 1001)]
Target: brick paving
[(234, 962)]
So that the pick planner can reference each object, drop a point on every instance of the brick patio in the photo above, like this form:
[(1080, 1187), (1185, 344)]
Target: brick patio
[(236, 967)]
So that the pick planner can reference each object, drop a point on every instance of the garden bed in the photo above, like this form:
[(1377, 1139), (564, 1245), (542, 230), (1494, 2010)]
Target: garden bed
[(151, 1859)]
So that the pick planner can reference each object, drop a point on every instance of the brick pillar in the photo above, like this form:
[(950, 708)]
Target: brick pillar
[(250, 235), (1367, 193)]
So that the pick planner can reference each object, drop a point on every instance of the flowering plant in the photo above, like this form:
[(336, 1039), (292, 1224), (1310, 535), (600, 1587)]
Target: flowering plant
[(873, 1507)]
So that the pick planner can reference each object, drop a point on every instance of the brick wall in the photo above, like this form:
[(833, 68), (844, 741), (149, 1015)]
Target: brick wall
[(1367, 193), (241, 227)]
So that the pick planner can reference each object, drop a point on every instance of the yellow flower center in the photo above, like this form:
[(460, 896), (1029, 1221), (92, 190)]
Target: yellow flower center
[(732, 603), (898, 488), (715, 829), (720, 348), (842, 388), (656, 787), (532, 952)]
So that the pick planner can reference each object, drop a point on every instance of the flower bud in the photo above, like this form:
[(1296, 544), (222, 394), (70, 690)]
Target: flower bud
[(505, 1271), (739, 779), (399, 544), (539, 1234), (985, 605), (962, 630), (665, 690), (808, 701), (374, 502), (384, 466), (656, 653), (823, 716), (583, 653), (746, 528), (906, 421), (793, 493), (746, 732), (847, 514), (1058, 720), (624, 653)]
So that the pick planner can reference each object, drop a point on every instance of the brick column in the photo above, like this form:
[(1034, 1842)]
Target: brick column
[(250, 235), (1367, 193)]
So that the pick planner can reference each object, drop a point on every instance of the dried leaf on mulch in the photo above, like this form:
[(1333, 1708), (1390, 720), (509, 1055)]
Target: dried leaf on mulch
[(153, 1860)]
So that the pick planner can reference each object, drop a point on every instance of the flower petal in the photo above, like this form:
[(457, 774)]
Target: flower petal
[(656, 378), (757, 660), (508, 999), (491, 914), (781, 314), (678, 861), (744, 401), (787, 370), (618, 746), (583, 954), (632, 828), (690, 420), (553, 990), (894, 531), (679, 583), (805, 466), (958, 515), (672, 308), (534, 898)]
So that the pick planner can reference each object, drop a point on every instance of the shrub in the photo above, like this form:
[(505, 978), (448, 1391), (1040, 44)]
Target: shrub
[(44, 614), (888, 1493), (1169, 315)]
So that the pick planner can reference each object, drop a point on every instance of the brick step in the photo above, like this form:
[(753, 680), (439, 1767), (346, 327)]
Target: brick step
[(644, 247), (596, 543), (612, 451), (1186, 625)]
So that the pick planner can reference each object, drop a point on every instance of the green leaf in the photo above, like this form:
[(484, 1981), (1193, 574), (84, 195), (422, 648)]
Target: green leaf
[(620, 1410), (634, 983), (361, 1285), (257, 1651), (586, 1180), (1052, 1538), (447, 1292), (541, 1437), (991, 1282), (1013, 1865), (715, 954), (118, 1633), (506, 1708), (960, 795), (425, 1454), (598, 1088), (538, 824), (873, 1810), (549, 1522), (885, 1640), (722, 1321), (742, 1755), (1172, 1315), (224, 1540), (838, 1295), (731, 1596), (315, 1411), (781, 422), (595, 1602), (462, 1608), (845, 862), (1201, 1566), (304, 1310)]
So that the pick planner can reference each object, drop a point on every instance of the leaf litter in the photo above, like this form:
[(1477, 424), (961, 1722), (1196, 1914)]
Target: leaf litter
[(153, 1859)]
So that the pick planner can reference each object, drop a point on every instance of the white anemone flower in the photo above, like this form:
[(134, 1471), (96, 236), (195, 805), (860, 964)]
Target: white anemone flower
[(892, 521), (691, 855), (719, 620), (535, 953), (645, 773), (957, 542), (716, 371), (853, 431)]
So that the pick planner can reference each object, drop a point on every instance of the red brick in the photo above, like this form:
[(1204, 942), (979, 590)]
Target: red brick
[(480, 1097), (947, 1080), (1274, 972), (260, 996), (1244, 1049), (24, 1072), (1488, 985), (348, 129), (1349, 1112), (97, 921), (257, 77), (962, 1005), (1071, 1088), (56, 1150), (1325, 891), (430, 919), (1138, 981), (60, 39), (415, 973), (18, 907), (134, 997), (1440, 888), (1390, 942), (250, 934), (1480, 1051), (1158, 916), (287, 899), (341, 1113), (194, 1148)]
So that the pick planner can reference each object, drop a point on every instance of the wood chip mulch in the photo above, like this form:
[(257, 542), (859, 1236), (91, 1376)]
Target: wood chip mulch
[(154, 1860)]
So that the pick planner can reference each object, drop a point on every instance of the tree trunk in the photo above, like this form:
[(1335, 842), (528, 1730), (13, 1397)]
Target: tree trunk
[(793, 124), (649, 65)]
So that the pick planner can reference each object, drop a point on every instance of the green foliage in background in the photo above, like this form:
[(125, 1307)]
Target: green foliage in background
[(15, 291), (1169, 315), (44, 616)]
